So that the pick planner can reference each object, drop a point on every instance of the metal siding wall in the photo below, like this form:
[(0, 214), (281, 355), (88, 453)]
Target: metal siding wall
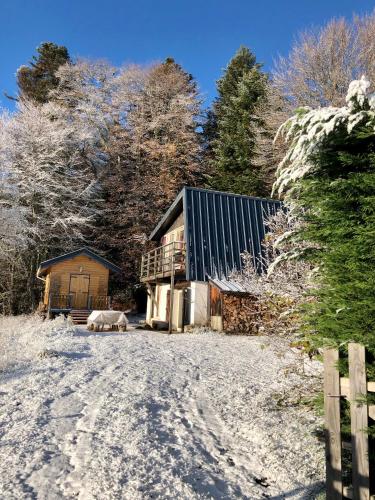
[(219, 228), (210, 241), (236, 235), (254, 230), (186, 232), (221, 257), (229, 235), (247, 227), (226, 228), (215, 236), (200, 217), (189, 236)]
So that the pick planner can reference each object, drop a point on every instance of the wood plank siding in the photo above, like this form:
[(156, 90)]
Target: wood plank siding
[(58, 280)]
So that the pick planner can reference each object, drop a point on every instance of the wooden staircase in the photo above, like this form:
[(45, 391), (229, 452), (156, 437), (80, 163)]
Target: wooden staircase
[(79, 316)]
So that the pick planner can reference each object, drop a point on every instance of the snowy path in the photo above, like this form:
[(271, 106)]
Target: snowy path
[(147, 415)]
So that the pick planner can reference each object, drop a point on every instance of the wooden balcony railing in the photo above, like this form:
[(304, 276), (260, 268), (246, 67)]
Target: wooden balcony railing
[(163, 261), (78, 301)]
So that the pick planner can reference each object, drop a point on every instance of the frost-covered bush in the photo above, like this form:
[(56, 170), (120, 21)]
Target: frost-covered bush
[(24, 338), (285, 274), (282, 286)]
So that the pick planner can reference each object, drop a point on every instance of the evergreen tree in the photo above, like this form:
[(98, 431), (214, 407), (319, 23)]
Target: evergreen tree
[(37, 80), (329, 173), (209, 134), (240, 90)]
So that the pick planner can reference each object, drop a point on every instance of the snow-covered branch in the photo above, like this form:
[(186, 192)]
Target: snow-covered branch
[(285, 274), (309, 129)]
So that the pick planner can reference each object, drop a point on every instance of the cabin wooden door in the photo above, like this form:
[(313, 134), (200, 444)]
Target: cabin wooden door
[(79, 290)]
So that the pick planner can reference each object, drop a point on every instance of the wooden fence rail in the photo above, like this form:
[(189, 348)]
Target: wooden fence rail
[(354, 389)]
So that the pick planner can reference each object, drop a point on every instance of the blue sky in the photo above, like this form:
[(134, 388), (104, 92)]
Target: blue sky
[(201, 35)]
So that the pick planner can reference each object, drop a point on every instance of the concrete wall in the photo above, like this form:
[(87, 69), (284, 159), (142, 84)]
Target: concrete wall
[(160, 310), (217, 323), (178, 309), (161, 297), (199, 303), (199, 313)]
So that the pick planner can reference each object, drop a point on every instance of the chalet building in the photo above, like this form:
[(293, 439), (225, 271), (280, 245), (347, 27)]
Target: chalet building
[(76, 282), (201, 238)]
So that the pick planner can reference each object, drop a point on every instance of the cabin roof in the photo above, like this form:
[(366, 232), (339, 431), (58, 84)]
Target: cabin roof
[(219, 227), (181, 201), (169, 217), (44, 266)]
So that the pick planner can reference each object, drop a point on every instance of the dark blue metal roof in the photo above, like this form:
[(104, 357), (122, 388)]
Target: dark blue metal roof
[(81, 251), (219, 227)]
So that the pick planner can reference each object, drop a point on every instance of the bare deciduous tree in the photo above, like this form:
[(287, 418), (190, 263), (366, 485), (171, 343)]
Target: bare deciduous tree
[(323, 61), (154, 152)]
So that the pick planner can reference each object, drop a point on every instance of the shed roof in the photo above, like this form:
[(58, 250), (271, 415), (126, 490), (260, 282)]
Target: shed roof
[(219, 227), (227, 286), (44, 266)]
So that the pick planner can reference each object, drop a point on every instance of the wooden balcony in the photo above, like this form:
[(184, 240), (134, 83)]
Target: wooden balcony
[(70, 301), (164, 261)]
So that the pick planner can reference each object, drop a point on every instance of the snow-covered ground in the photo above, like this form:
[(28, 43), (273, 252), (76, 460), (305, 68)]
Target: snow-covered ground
[(142, 415)]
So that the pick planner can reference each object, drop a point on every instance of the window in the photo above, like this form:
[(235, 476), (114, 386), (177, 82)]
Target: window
[(176, 234)]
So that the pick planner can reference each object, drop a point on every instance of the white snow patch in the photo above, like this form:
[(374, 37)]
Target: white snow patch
[(146, 415), (357, 92), (23, 338)]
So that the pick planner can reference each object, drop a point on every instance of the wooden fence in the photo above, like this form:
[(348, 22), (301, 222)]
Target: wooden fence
[(354, 389)]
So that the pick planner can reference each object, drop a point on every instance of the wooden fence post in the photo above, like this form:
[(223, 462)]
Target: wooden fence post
[(359, 421), (332, 424)]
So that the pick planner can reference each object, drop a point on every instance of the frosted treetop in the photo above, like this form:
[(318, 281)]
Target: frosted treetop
[(309, 129)]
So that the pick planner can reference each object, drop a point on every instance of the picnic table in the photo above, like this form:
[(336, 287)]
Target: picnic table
[(114, 319)]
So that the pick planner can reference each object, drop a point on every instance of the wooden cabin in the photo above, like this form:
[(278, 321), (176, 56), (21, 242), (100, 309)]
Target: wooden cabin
[(201, 236), (76, 281)]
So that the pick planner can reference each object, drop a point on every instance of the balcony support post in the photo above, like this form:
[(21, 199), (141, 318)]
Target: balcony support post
[(171, 301)]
